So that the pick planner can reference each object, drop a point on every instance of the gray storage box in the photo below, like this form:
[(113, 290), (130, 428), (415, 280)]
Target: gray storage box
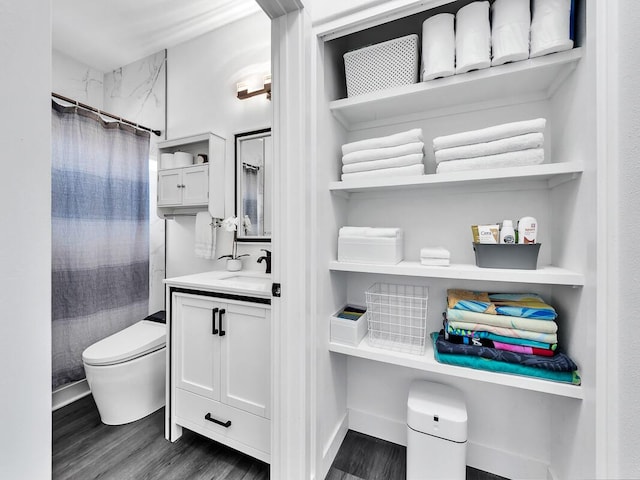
[(520, 256)]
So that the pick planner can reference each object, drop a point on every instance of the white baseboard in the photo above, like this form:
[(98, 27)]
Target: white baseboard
[(488, 459), (332, 446), (69, 394)]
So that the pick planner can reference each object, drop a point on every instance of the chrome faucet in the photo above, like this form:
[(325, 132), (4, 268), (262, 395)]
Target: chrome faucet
[(266, 258)]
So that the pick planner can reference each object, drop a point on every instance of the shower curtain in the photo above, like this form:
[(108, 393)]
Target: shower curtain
[(100, 234)]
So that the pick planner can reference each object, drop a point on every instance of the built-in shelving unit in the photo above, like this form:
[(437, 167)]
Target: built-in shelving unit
[(545, 275), (427, 362), (517, 82)]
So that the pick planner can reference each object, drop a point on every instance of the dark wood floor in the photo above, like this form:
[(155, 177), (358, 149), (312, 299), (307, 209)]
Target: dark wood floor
[(85, 449)]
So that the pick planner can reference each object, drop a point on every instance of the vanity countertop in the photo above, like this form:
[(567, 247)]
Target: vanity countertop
[(254, 284)]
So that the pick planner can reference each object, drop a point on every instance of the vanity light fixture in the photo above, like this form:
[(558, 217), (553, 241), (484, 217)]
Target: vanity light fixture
[(244, 93)]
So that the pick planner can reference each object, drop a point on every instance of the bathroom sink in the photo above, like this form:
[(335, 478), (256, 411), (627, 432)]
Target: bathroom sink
[(247, 282)]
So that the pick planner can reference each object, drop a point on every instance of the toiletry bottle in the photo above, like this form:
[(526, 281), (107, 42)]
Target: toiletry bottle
[(507, 233), (527, 230)]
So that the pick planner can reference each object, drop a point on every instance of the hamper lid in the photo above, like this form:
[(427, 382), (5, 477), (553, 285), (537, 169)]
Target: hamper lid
[(140, 338), (438, 410)]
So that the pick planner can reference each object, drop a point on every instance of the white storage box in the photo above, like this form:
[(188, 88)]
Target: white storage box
[(384, 65), (385, 250), (347, 331)]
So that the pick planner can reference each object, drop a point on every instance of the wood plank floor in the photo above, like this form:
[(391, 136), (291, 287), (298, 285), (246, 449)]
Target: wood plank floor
[(86, 449)]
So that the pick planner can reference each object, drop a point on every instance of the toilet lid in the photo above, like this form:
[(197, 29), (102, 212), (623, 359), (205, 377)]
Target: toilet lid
[(139, 339)]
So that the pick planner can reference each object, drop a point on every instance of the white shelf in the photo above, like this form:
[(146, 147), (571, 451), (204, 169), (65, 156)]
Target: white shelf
[(546, 275), (527, 80), (551, 174), (428, 363)]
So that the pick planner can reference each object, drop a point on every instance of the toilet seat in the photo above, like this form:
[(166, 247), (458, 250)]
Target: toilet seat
[(135, 341)]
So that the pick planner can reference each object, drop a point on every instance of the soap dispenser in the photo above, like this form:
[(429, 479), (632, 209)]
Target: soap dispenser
[(507, 233)]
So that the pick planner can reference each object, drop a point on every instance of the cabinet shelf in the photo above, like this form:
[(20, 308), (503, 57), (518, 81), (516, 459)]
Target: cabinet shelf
[(546, 275), (550, 174), (527, 80), (428, 363)]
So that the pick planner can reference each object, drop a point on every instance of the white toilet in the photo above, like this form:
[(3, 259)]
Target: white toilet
[(126, 372)]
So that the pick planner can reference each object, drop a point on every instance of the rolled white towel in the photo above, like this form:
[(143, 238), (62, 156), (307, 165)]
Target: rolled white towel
[(489, 134), (410, 136), (533, 156), (386, 232), (408, 171), (504, 145), (413, 159), (550, 27), (473, 37), (438, 47), (382, 153), (435, 252), (510, 24), (435, 262)]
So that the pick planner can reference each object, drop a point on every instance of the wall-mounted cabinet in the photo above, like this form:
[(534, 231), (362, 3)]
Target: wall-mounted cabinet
[(367, 386), (194, 187)]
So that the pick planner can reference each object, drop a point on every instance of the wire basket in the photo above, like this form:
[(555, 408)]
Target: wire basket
[(397, 317), (384, 65)]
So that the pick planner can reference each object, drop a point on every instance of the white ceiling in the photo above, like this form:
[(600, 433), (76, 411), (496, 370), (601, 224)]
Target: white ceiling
[(109, 34)]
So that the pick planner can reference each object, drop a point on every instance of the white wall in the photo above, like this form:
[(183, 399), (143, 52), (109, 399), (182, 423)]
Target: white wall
[(25, 244), (628, 412), (76, 80), (201, 97)]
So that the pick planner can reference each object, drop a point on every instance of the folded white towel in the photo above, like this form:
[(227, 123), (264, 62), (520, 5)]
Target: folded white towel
[(410, 136), (533, 156), (550, 27), (435, 262), (413, 159), (205, 236), (473, 37), (510, 22), (388, 232), (434, 252), (411, 170), (504, 145), (382, 153), (438, 47), (490, 134)]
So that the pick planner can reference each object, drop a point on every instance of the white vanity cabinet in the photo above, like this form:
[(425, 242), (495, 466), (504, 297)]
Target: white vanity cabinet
[(191, 188), (187, 186), (220, 370)]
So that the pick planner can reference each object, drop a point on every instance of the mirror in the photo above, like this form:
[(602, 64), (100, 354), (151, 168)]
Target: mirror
[(253, 183)]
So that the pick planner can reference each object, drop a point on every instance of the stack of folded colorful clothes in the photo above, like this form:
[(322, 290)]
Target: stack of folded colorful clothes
[(503, 332), (507, 145), (396, 155)]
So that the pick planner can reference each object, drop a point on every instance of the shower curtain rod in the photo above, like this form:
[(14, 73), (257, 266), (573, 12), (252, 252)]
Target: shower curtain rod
[(106, 114)]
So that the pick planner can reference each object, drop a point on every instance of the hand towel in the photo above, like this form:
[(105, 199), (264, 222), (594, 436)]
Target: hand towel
[(382, 153), (507, 332), (489, 134), (389, 232), (434, 252), (510, 24), (473, 37), (438, 47), (205, 236), (527, 305), (410, 136), (533, 156), (529, 324), (409, 171), (435, 262), (413, 159), (504, 145), (550, 27)]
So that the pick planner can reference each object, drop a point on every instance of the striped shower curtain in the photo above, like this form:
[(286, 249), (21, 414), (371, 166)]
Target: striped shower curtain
[(100, 234)]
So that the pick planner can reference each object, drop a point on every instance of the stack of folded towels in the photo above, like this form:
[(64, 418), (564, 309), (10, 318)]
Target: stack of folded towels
[(507, 145), (400, 154), (435, 256), (503, 332)]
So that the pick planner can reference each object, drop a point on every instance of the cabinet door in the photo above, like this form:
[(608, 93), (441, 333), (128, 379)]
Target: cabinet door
[(196, 185), (197, 347), (246, 358), (170, 187)]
